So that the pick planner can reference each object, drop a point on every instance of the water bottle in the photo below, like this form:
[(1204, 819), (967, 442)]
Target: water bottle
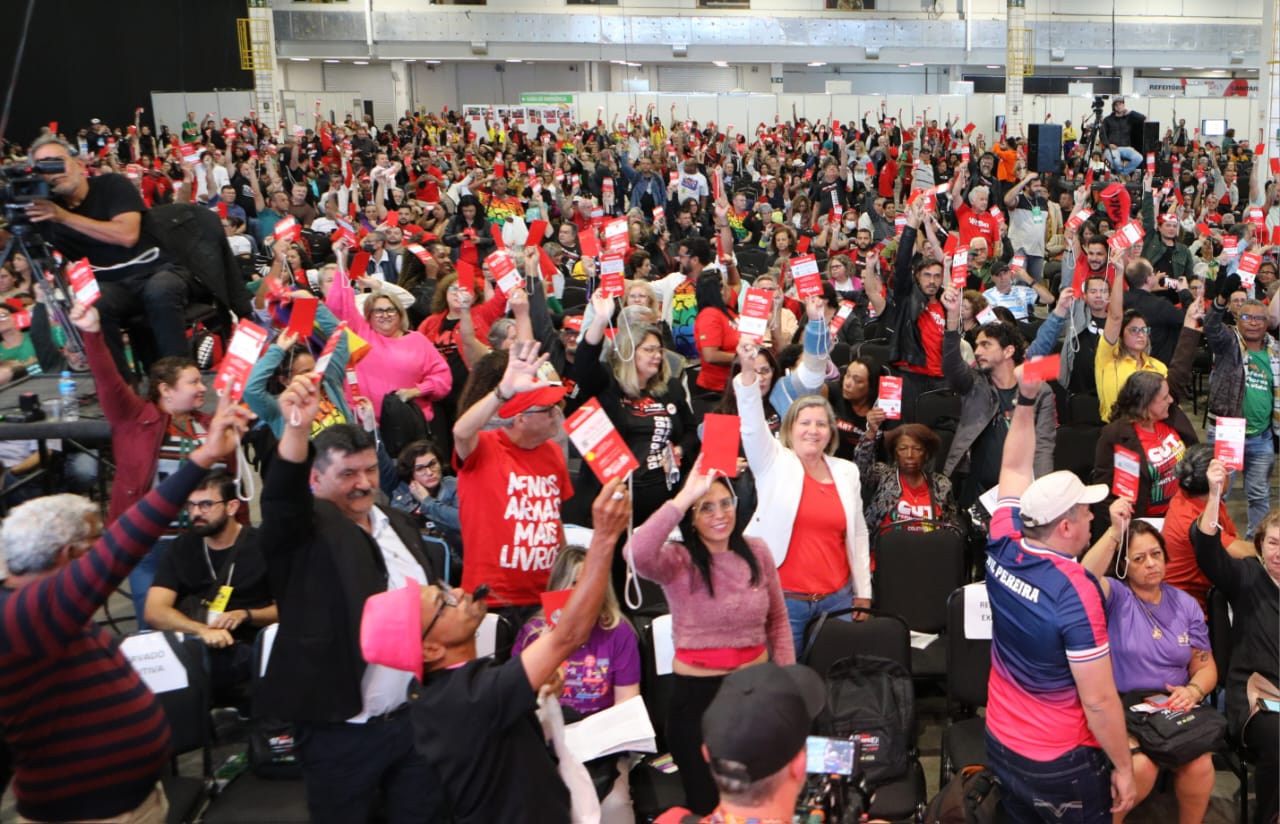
[(67, 393)]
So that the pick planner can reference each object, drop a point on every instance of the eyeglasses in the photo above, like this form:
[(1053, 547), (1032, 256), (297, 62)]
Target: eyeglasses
[(1259, 318), (1139, 330), (550, 409), (683, 255), (423, 467), (385, 310), (725, 505), (446, 600), (201, 506), (649, 350)]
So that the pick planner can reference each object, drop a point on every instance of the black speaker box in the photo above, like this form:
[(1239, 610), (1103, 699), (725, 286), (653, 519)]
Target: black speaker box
[(1044, 147)]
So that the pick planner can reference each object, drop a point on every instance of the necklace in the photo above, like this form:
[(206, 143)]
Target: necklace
[(1156, 632)]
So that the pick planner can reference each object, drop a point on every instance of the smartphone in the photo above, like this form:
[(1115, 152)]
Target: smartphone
[(829, 756), (1269, 704), (1157, 700)]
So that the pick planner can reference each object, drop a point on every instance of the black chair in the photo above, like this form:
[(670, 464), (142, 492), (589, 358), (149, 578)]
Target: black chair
[(1074, 448), (830, 638), (652, 790), (250, 799), (903, 552), (1235, 756), (938, 409), (187, 709), (874, 350), (1083, 410), (964, 740)]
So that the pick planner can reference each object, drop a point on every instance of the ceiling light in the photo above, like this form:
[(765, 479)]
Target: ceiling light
[(902, 65), (410, 59), (1105, 66), (817, 63), (432, 62), (361, 62), (1080, 68), (1166, 68), (300, 59), (993, 67), (917, 64), (332, 60), (724, 64), (514, 60)]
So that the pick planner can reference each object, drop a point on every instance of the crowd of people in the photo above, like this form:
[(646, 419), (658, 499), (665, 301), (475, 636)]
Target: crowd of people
[(475, 283)]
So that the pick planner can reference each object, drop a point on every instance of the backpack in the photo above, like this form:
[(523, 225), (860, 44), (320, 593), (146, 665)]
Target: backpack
[(872, 700), (972, 796)]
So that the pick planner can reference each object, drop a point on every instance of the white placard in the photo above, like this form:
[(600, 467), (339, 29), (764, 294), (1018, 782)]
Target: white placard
[(487, 636), (977, 612), (664, 645), (624, 727), (155, 662)]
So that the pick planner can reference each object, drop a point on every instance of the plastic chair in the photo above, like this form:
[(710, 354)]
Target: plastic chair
[(964, 739), (920, 600)]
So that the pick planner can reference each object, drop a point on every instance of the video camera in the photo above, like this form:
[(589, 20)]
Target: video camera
[(23, 183)]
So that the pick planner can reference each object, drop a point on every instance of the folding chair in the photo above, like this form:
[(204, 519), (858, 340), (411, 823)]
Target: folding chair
[(1235, 755), (964, 739), (653, 791), (920, 600), (1074, 449), (187, 708), (829, 639), (938, 409)]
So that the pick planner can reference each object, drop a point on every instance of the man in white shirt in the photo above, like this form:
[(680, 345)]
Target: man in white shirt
[(693, 185), (1016, 297)]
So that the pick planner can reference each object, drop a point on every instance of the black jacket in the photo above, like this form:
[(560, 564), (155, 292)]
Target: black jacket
[(906, 301), (322, 567), (192, 235)]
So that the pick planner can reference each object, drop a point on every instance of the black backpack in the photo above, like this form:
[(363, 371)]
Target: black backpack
[(872, 700), (972, 796)]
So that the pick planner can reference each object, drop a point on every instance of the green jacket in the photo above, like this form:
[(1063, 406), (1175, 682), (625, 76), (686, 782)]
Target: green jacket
[(1183, 263)]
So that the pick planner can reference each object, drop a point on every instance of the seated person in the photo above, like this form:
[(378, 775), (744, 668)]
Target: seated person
[(902, 489), (1016, 291), (425, 492), (218, 556)]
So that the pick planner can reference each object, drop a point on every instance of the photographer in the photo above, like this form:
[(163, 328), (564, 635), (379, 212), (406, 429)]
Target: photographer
[(100, 218)]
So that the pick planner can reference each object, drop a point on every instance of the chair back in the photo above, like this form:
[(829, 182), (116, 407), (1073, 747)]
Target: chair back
[(832, 636), (1219, 621), (917, 570), (172, 666), (968, 659), (938, 409)]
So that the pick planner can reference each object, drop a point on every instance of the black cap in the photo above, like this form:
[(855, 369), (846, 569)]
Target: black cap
[(761, 717)]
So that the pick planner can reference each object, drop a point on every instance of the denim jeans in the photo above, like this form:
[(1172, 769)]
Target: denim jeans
[(1124, 159), (1259, 460), (141, 577), (800, 613), (1074, 788)]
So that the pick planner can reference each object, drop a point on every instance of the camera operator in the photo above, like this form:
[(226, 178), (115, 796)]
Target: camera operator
[(100, 218), (1118, 132)]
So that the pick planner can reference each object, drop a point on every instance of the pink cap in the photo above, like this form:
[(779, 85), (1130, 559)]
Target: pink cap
[(391, 628)]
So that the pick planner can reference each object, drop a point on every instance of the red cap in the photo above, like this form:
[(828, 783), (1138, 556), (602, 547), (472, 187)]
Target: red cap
[(548, 395)]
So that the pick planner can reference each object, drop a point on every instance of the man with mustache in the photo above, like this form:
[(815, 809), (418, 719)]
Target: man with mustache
[(329, 547), (218, 555)]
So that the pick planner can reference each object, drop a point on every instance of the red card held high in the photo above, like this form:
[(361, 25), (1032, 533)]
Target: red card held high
[(721, 436), (802, 245), (599, 442), (1124, 480), (553, 604), (804, 272), (1044, 368), (890, 397), (302, 317), (1228, 442)]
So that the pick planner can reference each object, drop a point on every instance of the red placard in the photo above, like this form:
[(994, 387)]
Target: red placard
[(588, 244), (837, 322), (1151, 163), (1126, 236), (420, 252), (1248, 268), (302, 317), (804, 273), (287, 228), (1124, 478), (969, 127), (998, 215), (659, 216), (960, 268), (611, 276), (721, 436), (1018, 262), (553, 604), (615, 236), (1044, 368), (83, 282), (1075, 221), (504, 272), (343, 233), (599, 442), (757, 305), (606, 187), (1228, 442), (1230, 245), (890, 397), (802, 245), (899, 224), (246, 347)]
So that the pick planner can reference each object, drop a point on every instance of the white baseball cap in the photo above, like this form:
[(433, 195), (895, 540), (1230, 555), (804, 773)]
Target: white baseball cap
[(1053, 495)]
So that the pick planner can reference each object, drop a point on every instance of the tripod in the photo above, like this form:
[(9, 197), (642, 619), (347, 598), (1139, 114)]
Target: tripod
[(42, 260)]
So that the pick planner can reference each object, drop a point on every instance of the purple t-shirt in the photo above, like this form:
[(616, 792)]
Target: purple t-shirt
[(1140, 661), (611, 657)]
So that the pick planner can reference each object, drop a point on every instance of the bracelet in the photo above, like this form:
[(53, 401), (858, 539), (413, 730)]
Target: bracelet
[(1196, 687), (497, 393), (248, 617), (1023, 400)]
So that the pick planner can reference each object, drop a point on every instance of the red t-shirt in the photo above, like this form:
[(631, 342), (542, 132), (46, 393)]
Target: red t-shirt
[(509, 504), (974, 225), (932, 322), (1162, 449), (712, 328), (915, 504), (817, 561)]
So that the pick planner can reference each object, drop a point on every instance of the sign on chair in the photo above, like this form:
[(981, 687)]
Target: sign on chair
[(155, 662), (977, 612)]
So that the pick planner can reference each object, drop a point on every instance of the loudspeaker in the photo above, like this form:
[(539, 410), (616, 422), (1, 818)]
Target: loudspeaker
[(1044, 147), (1150, 137)]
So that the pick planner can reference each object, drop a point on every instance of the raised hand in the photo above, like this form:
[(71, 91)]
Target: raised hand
[(522, 368)]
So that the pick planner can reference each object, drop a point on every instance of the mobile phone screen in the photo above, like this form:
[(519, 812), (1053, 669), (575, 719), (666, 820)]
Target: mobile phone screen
[(1270, 705), (829, 756)]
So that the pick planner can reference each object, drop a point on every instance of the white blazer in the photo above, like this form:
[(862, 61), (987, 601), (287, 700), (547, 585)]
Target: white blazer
[(780, 481)]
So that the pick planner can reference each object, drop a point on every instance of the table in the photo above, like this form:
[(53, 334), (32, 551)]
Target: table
[(91, 428)]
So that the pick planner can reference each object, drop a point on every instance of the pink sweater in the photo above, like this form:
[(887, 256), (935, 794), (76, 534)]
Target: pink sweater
[(738, 615), (409, 361)]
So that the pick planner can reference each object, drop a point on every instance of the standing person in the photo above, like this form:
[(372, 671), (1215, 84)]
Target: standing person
[(678, 295), (1163, 317), (810, 511), (1252, 587), (512, 482), (1125, 347), (1245, 383), (329, 547), (1084, 318), (1053, 713), (727, 611), (473, 718), (1028, 203), (89, 741), (716, 329), (151, 437)]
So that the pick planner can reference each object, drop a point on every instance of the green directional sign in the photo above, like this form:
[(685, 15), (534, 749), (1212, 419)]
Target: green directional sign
[(546, 99)]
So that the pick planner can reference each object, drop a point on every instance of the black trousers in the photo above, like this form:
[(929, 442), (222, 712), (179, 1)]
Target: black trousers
[(1262, 735), (161, 299), (345, 765), (690, 698)]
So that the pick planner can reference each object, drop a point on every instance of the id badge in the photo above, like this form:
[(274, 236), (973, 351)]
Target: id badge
[(219, 603), (1037, 216)]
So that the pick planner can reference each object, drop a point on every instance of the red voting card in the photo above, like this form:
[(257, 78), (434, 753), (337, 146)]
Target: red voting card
[(950, 245), (890, 397), (611, 280), (1124, 480), (553, 604), (960, 268), (1044, 368), (899, 223), (1228, 442), (326, 354), (588, 244), (1126, 236), (419, 251), (83, 283), (1075, 221), (837, 323), (659, 216), (599, 442), (1275, 165), (246, 347), (804, 273), (537, 231), (1018, 262), (1151, 163), (302, 317), (1275, 235), (721, 435), (343, 233), (504, 272), (288, 229), (495, 229), (615, 236), (756, 307), (1230, 245), (802, 245), (1248, 268), (969, 127)]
